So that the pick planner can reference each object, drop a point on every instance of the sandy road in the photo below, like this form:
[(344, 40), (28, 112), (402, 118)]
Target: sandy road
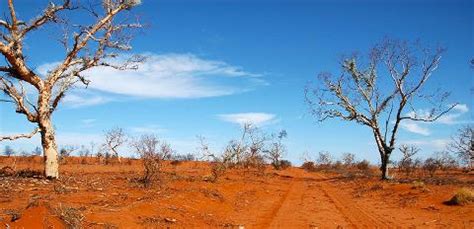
[(312, 201)]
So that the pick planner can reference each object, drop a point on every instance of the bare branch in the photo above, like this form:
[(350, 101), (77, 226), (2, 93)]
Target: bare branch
[(18, 98), (18, 136), (49, 14), (431, 117)]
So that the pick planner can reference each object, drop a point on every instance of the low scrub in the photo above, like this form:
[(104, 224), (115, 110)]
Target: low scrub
[(309, 166), (72, 217), (152, 152), (463, 196)]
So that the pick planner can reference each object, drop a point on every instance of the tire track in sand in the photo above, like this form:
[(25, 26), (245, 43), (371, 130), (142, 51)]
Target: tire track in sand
[(310, 202), (358, 217)]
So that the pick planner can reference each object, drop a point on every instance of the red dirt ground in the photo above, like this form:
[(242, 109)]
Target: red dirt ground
[(105, 196)]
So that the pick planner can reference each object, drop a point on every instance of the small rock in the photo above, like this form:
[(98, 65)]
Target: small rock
[(170, 220)]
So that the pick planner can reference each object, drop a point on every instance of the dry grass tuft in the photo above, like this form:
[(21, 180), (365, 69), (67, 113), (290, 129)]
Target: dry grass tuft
[(463, 196), (72, 217)]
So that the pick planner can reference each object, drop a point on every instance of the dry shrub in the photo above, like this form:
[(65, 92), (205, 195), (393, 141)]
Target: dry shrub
[(218, 169), (14, 214), (284, 164), (72, 217), (463, 196), (28, 173), (418, 185), (348, 159), (407, 164), (431, 165), (363, 165), (309, 166), (6, 171), (152, 152)]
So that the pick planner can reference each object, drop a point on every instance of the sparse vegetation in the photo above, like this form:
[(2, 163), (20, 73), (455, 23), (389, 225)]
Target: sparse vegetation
[(66, 152), (463, 196), (72, 217), (152, 152), (309, 166), (431, 165), (277, 150), (114, 139), (348, 159), (462, 144), (8, 151), (407, 164), (119, 155)]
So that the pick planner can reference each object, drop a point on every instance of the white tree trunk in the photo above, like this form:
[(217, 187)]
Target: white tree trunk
[(48, 141)]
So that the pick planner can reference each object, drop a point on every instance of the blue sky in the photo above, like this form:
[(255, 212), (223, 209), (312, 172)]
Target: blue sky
[(215, 63)]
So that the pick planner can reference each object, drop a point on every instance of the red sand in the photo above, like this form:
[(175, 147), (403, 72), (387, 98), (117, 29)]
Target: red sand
[(106, 197)]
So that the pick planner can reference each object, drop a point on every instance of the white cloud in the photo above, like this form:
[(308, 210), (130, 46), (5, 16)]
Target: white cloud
[(88, 121), (462, 108), (258, 119), (149, 129), (414, 127), (434, 144), (452, 118), (76, 100), (165, 76), (449, 119)]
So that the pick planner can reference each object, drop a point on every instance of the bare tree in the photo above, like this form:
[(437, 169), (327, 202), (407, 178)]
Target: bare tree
[(462, 144), (152, 151), (37, 151), (8, 151), (407, 163), (324, 159), (431, 165), (277, 149), (381, 93), (66, 151), (85, 46), (114, 138), (348, 159)]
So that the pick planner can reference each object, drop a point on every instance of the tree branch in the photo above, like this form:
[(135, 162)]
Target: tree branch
[(14, 137)]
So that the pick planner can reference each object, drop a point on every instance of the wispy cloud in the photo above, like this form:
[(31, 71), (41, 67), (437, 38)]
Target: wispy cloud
[(88, 122), (452, 118), (76, 100), (462, 108), (148, 129), (166, 76), (414, 127), (434, 144), (258, 119)]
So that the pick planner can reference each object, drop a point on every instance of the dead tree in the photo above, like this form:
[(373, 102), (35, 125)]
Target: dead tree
[(407, 163), (85, 46), (462, 144), (153, 152), (276, 149), (348, 159), (114, 139), (380, 92)]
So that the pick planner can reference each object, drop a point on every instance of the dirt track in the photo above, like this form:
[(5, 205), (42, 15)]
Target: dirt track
[(310, 200)]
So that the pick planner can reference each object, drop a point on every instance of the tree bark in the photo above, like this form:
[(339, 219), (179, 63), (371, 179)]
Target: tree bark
[(48, 141), (385, 157)]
